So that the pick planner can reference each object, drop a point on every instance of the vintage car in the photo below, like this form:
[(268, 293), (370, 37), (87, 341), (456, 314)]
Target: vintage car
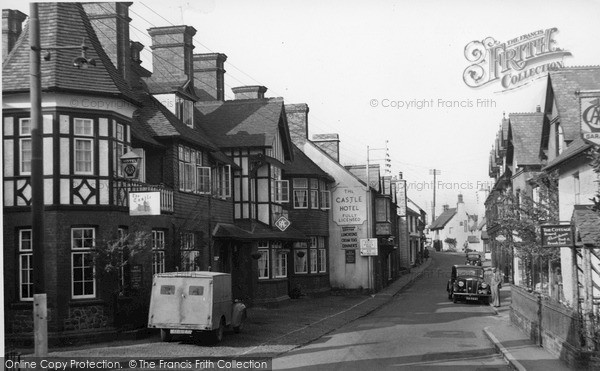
[(467, 283), (473, 258)]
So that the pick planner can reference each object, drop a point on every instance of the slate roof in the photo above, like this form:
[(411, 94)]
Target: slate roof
[(252, 230), (525, 131), (64, 24), (565, 83), (441, 221), (304, 166), (587, 225), (576, 147), (244, 122), (159, 122)]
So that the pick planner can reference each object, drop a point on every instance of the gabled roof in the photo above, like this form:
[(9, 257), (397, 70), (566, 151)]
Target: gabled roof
[(244, 122), (576, 147), (441, 221), (587, 225), (162, 123), (525, 131), (64, 24), (565, 83), (304, 166)]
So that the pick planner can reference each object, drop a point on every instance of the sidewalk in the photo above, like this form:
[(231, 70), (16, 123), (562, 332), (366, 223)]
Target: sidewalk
[(516, 347)]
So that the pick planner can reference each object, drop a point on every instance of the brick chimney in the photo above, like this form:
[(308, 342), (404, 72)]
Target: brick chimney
[(329, 143), (249, 92), (460, 199), (297, 118), (172, 54), (446, 207), (111, 23), (12, 22), (209, 76), (136, 48)]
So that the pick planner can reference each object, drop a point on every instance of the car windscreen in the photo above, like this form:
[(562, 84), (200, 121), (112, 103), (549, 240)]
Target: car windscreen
[(469, 272)]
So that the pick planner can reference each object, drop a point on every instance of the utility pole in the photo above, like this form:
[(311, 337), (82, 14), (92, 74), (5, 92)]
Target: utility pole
[(434, 172), (40, 313)]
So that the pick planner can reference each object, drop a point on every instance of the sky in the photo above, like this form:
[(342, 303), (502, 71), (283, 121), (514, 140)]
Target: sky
[(384, 74)]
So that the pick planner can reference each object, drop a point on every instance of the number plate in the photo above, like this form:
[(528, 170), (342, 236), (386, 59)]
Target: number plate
[(181, 332), (472, 298)]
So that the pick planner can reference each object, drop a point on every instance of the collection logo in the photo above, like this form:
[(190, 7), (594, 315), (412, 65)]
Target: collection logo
[(513, 63)]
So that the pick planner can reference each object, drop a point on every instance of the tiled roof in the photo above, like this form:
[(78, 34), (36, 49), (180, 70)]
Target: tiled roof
[(587, 225), (304, 166), (575, 148), (162, 123), (441, 221), (64, 24), (473, 239), (525, 130), (241, 123), (565, 83)]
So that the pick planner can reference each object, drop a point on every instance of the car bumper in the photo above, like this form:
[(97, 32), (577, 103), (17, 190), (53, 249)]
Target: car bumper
[(470, 296)]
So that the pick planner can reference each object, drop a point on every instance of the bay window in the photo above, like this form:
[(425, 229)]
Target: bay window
[(300, 193)]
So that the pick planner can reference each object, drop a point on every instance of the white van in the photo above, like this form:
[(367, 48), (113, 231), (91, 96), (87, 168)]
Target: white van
[(194, 303)]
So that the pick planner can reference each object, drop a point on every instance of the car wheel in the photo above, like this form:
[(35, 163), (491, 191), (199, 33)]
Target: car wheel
[(218, 333), (454, 298), (165, 335)]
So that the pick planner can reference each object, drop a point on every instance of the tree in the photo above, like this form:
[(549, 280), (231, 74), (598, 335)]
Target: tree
[(451, 242)]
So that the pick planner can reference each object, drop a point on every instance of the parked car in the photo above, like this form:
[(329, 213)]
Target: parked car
[(194, 303), (467, 283), (473, 258)]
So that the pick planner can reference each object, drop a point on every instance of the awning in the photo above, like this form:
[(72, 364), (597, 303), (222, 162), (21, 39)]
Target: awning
[(254, 231), (587, 225)]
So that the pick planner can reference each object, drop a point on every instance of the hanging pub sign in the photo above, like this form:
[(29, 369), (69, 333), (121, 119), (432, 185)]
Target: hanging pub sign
[(144, 203), (590, 119), (560, 235), (130, 163)]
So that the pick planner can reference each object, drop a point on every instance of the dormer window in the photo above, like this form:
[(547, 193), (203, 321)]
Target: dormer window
[(560, 139), (185, 111)]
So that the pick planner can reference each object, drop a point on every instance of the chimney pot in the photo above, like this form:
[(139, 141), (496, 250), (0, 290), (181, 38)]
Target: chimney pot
[(172, 54), (297, 117), (249, 92), (446, 207), (538, 108), (460, 199)]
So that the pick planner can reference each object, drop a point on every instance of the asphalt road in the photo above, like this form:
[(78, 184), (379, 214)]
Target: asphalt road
[(420, 329)]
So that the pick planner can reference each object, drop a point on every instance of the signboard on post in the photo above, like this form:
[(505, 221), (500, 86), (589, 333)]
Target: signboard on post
[(349, 237), (560, 235), (590, 119), (368, 247)]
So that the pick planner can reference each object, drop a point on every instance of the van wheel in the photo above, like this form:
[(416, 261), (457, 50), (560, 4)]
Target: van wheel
[(238, 329), (165, 335), (218, 333)]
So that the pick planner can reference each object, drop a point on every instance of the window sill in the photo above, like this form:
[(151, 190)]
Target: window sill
[(85, 302)]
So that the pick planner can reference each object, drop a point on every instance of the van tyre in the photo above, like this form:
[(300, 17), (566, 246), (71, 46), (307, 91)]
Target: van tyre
[(165, 335), (218, 333), (240, 327)]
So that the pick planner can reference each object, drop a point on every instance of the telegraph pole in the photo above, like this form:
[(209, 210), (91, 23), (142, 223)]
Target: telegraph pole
[(40, 324), (434, 172)]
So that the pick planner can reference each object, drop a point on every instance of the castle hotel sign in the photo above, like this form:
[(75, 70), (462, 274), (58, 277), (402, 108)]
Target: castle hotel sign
[(349, 206)]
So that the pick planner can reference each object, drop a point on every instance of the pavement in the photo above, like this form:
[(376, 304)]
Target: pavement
[(518, 350)]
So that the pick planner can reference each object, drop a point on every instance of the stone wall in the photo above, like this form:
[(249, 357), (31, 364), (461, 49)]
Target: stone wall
[(86, 318)]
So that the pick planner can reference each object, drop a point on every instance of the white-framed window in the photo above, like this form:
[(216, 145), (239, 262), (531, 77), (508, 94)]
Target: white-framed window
[(202, 179), (322, 255), (83, 147), (25, 265), (282, 191), (313, 254), (314, 194), (300, 257), (123, 256), (280, 261), (576, 188), (325, 200), (83, 283), (263, 260), (300, 193), (222, 181), (158, 251), (185, 111), (25, 146), (119, 148), (189, 254)]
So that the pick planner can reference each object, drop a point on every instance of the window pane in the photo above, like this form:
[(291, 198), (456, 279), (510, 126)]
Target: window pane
[(26, 156)]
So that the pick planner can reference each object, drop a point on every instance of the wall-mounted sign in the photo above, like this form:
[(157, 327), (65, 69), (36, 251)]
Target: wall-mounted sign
[(401, 197), (349, 237), (383, 229), (590, 119), (350, 256), (130, 163), (144, 203), (282, 223), (368, 247), (349, 206), (557, 235)]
